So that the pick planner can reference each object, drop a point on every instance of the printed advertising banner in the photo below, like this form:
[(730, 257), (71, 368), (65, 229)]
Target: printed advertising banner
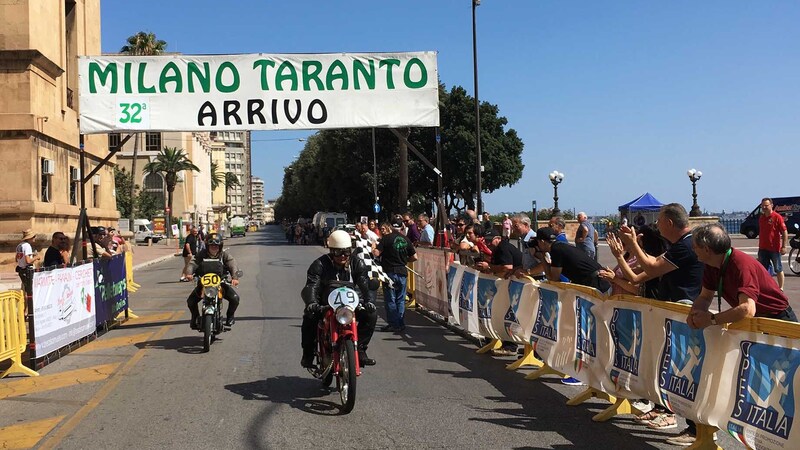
[(431, 287), (742, 382), (111, 287), (63, 307), (258, 92), (467, 296)]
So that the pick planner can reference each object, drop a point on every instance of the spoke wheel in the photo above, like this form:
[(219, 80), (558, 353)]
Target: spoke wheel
[(794, 264), (346, 378)]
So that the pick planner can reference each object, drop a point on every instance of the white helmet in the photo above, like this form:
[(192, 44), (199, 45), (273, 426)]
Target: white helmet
[(340, 239)]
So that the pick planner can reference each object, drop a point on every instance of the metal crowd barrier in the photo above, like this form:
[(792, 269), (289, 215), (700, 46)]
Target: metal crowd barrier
[(13, 338)]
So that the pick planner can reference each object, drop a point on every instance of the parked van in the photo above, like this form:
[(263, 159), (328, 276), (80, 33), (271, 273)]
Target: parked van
[(238, 226), (143, 232), (788, 207), (332, 219)]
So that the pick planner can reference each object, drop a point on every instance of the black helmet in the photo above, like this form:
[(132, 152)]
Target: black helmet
[(214, 239)]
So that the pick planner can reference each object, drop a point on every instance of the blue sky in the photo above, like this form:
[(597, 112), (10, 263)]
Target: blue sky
[(623, 97)]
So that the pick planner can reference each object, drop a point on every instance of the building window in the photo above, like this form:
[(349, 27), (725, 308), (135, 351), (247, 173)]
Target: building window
[(95, 196), (74, 176), (113, 140), (154, 185), (153, 142), (46, 170)]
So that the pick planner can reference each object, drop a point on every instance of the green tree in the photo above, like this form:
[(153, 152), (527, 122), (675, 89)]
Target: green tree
[(230, 181), (169, 162), (140, 44), (217, 176), (123, 182)]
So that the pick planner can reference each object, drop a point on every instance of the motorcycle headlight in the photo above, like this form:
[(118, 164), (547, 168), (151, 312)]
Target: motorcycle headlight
[(210, 292), (345, 316)]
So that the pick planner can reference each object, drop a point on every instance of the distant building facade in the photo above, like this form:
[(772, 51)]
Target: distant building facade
[(257, 199)]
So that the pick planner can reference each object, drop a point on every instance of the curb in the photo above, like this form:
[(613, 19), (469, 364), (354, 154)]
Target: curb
[(153, 261)]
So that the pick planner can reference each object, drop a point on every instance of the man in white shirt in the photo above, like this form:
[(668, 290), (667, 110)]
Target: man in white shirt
[(426, 232), (25, 257)]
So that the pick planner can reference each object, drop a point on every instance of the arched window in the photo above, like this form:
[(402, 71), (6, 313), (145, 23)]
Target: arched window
[(154, 185)]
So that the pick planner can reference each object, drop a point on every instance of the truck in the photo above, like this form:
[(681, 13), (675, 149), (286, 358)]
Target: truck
[(787, 207), (143, 232), (238, 226), (332, 219)]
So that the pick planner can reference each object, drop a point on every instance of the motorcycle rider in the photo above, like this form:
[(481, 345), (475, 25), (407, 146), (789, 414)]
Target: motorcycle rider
[(337, 265), (213, 250)]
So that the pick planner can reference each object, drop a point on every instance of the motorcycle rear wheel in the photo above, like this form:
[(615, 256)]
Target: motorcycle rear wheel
[(208, 335), (794, 264), (346, 378)]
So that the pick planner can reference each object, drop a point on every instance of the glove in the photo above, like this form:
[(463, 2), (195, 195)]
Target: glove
[(369, 307), (312, 309)]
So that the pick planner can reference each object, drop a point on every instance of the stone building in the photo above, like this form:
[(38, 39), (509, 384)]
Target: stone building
[(40, 42), (257, 199)]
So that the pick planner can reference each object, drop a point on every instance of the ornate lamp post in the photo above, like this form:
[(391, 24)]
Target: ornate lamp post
[(694, 176), (556, 178)]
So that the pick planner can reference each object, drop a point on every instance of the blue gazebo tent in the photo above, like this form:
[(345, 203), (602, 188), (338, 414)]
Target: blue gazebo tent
[(642, 210)]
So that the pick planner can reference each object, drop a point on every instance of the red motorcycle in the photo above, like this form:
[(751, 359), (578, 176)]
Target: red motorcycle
[(337, 340)]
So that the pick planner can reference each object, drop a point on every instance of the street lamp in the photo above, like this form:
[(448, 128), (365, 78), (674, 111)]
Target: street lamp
[(479, 208), (694, 175), (556, 178)]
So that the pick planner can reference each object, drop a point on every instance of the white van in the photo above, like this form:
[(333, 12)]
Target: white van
[(143, 232), (332, 219)]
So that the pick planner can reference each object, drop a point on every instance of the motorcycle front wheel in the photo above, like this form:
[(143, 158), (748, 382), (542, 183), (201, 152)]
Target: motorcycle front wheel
[(208, 335), (794, 264), (346, 378)]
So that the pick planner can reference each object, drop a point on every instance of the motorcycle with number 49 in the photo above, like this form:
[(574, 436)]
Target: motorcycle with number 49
[(794, 253), (214, 280), (337, 340)]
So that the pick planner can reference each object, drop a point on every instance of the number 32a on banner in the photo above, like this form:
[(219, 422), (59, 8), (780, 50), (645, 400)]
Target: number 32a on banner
[(133, 113)]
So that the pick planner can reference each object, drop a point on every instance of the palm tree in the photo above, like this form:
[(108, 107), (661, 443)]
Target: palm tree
[(217, 176), (169, 162), (231, 180), (140, 44)]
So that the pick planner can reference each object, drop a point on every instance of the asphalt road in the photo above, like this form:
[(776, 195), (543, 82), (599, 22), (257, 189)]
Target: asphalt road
[(429, 390)]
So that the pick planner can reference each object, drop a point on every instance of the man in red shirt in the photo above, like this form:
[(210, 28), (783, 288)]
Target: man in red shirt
[(735, 277), (772, 239)]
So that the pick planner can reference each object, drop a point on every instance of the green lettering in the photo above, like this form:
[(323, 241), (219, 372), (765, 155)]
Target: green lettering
[(202, 77), (167, 77), (263, 64), (142, 88), (339, 74), (286, 71), (311, 70), (234, 86), (102, 75), (127, 78), (389, 63), (423, 79), (369, 75)]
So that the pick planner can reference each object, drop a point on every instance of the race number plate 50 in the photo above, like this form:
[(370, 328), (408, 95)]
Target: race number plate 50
[(133, 113), (210, 279), (343, 296)]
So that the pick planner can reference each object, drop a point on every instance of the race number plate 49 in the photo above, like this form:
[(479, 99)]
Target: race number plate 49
[(343, 296)]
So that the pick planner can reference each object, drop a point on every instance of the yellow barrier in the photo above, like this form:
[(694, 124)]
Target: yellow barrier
[(132, 285), (411, 285), (12, 332)]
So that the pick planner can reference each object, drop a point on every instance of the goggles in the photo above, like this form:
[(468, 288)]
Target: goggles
[(341, 252)]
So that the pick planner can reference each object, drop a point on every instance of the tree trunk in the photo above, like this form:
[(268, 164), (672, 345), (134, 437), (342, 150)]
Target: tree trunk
[(132, 217), (170, 191), (402, 191)]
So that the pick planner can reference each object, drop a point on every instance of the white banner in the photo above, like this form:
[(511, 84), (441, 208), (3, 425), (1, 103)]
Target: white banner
[(431, 286), (63, 307), (258, 92)]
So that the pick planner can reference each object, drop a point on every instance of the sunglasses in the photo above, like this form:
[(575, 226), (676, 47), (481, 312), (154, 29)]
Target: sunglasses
[(339, 252)]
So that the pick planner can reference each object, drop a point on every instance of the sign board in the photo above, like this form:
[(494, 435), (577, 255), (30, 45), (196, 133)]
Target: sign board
[(257, 92), (377, 208)]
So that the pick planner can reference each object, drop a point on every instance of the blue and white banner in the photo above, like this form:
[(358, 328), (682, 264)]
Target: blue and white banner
[(467, 301)]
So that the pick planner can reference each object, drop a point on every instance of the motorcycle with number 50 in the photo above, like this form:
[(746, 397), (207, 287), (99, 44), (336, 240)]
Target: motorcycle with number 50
[(337, 340), (213, 281), (794, 253)]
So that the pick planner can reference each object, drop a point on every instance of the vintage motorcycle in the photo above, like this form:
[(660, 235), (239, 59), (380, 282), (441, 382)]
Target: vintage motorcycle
[(794, 253), (213, 282), (337, 340)]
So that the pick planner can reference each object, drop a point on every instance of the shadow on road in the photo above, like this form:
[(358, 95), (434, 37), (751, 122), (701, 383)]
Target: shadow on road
[(184, 344), (298, 392)]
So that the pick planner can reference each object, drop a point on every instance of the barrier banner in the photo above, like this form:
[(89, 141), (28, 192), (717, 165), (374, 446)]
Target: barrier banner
[(592, 349), (431, 287), (544, 334), (467, 310), (63, 307), (110, 288), (258, 91), (486, 294), (454, 274)]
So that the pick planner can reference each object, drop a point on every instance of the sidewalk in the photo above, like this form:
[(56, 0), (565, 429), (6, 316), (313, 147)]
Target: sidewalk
[(143, 256)]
